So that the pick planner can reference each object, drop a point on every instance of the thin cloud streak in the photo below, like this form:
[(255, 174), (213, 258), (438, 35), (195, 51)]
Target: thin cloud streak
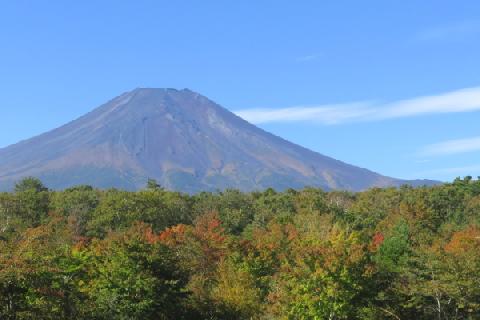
[(326, 114), (465, 100), (307, 58), (473, 170), (452, 147)]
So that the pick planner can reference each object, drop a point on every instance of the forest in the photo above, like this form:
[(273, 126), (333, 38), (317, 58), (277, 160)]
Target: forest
[(393, 253)]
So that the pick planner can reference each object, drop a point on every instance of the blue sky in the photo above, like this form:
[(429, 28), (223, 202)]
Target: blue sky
[(393, 86)]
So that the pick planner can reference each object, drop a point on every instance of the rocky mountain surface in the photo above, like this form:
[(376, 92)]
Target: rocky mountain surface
[(184, 141)]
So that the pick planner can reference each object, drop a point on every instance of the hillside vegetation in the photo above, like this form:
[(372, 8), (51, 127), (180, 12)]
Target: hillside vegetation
[(83, 253)]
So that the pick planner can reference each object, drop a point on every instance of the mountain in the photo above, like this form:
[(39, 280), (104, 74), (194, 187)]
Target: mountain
[(184, 141)]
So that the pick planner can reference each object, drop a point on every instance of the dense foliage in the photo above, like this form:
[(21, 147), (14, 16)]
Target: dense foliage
[(407, 253)]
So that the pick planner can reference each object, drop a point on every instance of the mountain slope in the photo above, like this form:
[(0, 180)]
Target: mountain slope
[(184, 141)]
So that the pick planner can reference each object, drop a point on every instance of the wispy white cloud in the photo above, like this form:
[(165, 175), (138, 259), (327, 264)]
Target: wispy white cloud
[(326, 114), (423, 161), (465, 100), (307, 58), (455, 31), (473, 170), (452, 147)]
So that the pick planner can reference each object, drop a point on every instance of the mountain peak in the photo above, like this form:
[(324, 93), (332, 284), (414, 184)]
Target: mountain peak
[(149, 90), (180, 138)]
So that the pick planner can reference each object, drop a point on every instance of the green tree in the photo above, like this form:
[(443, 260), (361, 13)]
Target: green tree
[(33, 201), (134, 276), (152, 184), (29, 184), (325, 281)]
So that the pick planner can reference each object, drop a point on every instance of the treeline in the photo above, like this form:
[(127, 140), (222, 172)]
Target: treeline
[(407, 253)]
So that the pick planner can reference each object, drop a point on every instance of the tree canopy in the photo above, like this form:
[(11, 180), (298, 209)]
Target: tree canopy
[(395, 253)]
